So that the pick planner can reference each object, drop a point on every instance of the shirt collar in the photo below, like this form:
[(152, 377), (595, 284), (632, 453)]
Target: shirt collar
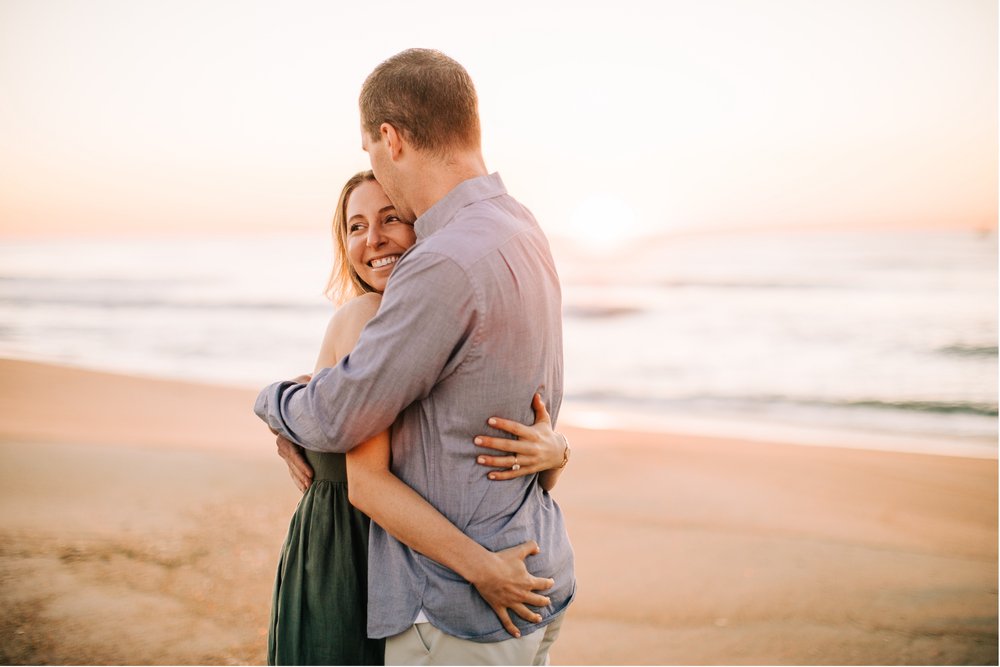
[(467, 192)]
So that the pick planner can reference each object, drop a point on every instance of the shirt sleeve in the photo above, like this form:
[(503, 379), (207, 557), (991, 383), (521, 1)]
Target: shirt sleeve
[(424, 330)]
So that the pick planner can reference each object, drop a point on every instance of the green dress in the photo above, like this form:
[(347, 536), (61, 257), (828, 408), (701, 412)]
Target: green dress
[(319, 608)]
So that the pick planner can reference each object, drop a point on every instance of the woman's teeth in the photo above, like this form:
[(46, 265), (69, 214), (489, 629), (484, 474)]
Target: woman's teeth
[(383, 261)]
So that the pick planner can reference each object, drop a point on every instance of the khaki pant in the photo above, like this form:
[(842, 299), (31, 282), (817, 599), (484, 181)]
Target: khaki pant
[(423, 644)]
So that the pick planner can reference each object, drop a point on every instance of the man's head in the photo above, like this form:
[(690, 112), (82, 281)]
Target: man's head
[(424, 100), (428, 97)]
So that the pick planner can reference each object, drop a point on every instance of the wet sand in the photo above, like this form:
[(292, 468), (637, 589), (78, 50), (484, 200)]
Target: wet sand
[(140, 522)]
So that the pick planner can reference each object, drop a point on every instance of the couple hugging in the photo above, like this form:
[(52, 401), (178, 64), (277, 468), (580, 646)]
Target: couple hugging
[(429, 407)]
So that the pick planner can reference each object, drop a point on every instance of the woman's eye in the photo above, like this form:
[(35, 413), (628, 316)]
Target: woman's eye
[(356, 227), (392, 218)]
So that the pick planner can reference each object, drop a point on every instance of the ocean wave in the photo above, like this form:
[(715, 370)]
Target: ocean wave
[(749, 285), (599, 311), (156, 303), (95, 281), (937, 407), (969, 350), (765, 402)]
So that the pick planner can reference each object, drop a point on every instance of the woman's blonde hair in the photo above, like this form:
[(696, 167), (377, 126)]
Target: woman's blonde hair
[(344, 282)]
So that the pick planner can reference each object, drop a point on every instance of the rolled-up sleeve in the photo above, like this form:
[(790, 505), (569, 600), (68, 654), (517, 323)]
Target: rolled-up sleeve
[(425, 328)]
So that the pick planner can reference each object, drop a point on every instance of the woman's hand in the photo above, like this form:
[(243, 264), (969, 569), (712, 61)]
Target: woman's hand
[(298, 467), (537, 447)]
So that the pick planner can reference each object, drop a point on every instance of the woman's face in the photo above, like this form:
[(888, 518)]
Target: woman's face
[(376, 236)]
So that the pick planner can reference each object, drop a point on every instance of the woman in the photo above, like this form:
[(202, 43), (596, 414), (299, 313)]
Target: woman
[(318, 613)]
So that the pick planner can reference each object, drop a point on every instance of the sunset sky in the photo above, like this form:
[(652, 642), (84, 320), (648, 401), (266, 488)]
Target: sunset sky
[(610, 120)]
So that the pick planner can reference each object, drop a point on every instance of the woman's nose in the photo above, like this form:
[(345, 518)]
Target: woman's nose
[(375, 236)]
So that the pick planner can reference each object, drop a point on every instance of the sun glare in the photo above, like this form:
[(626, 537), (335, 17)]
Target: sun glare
[(603, 219)]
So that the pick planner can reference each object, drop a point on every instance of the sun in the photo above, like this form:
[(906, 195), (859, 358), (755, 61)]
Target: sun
[(603, 219)]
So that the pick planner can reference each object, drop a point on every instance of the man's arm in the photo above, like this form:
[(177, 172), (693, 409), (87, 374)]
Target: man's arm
[(423, 331), (340, 337)]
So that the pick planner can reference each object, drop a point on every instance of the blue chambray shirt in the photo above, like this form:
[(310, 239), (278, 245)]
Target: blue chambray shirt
[(470, 326)]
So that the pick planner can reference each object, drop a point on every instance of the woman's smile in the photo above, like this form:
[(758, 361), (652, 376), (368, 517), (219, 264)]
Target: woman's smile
[(384, 261)]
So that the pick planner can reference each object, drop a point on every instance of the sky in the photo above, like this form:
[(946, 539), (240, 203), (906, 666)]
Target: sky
[(612, 121)]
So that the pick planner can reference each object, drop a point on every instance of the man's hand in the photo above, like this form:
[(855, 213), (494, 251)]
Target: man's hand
[(298, 467), (507, 584)]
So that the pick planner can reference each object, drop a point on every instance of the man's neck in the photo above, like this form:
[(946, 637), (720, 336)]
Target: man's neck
[(437, 177)]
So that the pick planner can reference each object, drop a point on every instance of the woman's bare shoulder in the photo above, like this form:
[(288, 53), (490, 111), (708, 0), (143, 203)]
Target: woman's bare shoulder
[(361, 307), (347, 322)]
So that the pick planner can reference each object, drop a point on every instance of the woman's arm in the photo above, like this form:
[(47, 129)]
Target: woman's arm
[(537, 448), (406, 515)]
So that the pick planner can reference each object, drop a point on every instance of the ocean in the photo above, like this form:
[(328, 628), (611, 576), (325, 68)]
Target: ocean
[(882, 339)]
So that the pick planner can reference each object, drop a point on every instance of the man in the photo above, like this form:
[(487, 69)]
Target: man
[(469, 327)]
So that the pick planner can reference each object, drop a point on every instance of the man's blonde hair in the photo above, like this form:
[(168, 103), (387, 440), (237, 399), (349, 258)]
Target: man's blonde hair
[(428, 97)]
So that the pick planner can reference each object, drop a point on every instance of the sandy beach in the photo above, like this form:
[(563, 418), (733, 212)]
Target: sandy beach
[(140, 522)]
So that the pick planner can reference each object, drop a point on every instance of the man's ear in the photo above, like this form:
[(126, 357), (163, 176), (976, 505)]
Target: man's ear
[(393, 139)]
